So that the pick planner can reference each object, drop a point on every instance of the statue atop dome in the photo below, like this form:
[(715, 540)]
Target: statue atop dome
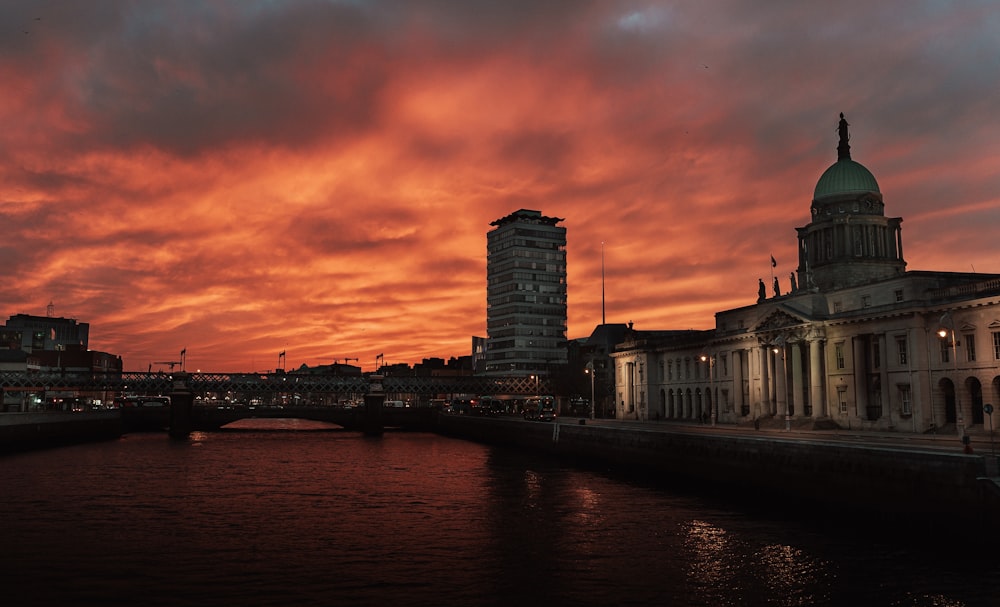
[(843, 149)]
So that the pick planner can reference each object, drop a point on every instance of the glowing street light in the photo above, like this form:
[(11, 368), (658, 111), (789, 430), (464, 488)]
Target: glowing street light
[(948, 328), (711, 391), (590, 371)]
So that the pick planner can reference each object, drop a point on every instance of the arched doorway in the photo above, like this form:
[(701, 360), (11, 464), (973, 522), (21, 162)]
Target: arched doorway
[(948, 390), (975, 389)]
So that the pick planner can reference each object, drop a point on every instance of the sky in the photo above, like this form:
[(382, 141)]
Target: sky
[(248, 177)]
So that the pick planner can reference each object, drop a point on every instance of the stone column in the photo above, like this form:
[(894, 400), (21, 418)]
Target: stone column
[(738, 382), (765, 389), (817, 393), (798, 408), (181, 407), (860, 383), (372, 424)]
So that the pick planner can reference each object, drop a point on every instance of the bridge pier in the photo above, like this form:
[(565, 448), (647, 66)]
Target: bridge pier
[(373, 424), (181, 406)]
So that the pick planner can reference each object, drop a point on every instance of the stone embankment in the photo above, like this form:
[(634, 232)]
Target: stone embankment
[(879, 481), (25, 431)]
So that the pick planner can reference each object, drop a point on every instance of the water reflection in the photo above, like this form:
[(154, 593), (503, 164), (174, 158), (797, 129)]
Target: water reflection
[(320, 518)]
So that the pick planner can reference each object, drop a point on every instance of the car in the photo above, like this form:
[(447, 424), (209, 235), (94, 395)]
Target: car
[(541, 408)]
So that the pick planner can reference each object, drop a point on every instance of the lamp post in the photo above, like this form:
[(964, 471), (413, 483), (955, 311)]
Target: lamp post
[(948, 328), (779, 357), (590, 371), (711, 390)]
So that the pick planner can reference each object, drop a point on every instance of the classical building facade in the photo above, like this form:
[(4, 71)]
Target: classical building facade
[(857, 341), (525, 295)]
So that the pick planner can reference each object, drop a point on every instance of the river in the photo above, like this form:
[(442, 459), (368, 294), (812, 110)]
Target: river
[(300, 515)]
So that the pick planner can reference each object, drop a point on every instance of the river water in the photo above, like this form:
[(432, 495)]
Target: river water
[(298, 517)]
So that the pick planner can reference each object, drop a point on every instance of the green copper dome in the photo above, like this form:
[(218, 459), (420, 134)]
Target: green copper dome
[(843, 177)]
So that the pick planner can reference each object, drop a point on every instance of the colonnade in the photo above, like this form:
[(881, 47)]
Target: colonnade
[(786, 384)]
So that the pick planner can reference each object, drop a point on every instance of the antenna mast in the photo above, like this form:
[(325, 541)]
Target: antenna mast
[(603, 318)]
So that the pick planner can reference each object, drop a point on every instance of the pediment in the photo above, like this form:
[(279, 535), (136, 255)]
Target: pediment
[(778, 320)]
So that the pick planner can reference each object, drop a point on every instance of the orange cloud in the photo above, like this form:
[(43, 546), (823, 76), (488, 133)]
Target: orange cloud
[(318, 178)]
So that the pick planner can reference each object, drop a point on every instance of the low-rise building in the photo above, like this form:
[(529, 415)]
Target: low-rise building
[(856, 340)]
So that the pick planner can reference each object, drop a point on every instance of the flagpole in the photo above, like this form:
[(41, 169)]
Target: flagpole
[(773, 265)]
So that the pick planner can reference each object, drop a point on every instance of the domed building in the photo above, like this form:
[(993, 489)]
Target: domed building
[(850, 240), (858, 342)]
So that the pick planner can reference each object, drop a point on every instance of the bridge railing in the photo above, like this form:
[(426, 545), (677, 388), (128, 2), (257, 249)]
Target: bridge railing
[(248, 383)]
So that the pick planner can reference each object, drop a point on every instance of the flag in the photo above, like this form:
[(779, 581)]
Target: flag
[(774, 264), (184, 351), (280, 354)]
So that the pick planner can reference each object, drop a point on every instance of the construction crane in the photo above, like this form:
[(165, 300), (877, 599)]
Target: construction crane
[(346, 360), (174, 363), (168, 362)]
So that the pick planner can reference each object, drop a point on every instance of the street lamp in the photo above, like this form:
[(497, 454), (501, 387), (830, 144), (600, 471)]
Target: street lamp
[(590, 371), (711, 391), (948, 328), (788, 404)]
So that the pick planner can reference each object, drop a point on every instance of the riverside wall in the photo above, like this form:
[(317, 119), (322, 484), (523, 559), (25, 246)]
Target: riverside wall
[(26, 431), (898, 485)]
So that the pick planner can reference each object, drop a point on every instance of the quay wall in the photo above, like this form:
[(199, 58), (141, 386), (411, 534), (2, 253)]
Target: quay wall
[(26, 431), (896, 484)]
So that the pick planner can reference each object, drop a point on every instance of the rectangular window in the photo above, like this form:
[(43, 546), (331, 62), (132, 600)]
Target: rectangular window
[(901, 347), (838, 352), (945, 351), (970, 347), (899, 295), (905, 399), (876, 354), (866, 301), (837, 307), (842, 398), (996, 346)]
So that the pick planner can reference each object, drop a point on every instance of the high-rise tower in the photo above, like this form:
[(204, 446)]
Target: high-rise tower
[(525, 295)]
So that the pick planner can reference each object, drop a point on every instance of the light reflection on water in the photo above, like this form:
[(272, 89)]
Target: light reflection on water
[(320, 518)]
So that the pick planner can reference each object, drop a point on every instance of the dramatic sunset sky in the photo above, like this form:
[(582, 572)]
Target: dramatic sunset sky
[(245, 177)]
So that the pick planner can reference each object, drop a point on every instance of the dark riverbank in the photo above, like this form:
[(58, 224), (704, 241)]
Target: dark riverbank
[(900, 485), (28, 431)]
